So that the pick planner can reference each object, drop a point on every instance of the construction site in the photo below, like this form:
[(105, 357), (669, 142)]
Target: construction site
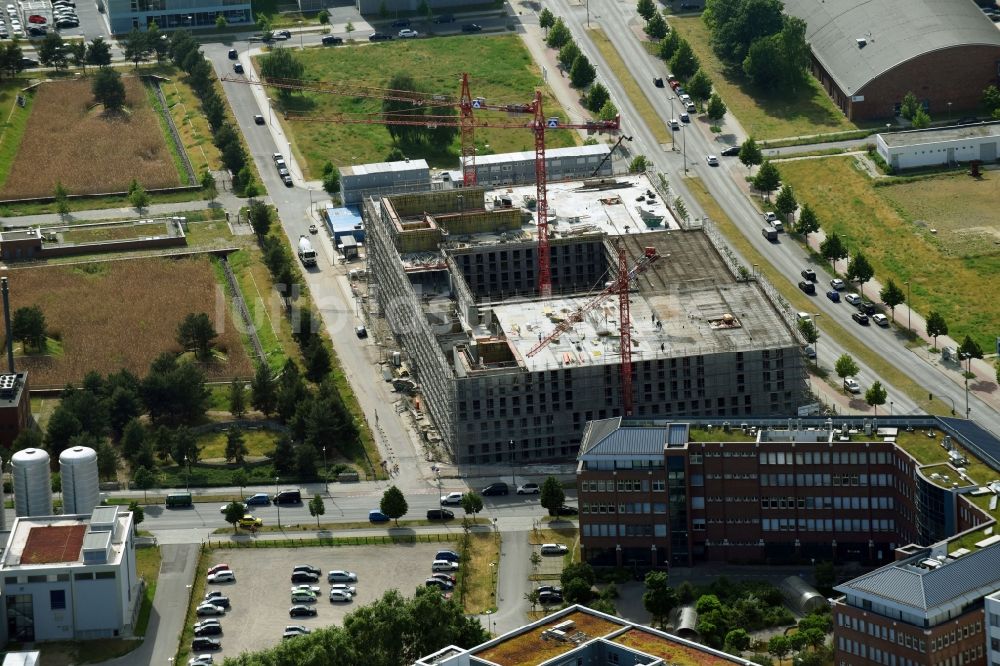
[(511, 361)]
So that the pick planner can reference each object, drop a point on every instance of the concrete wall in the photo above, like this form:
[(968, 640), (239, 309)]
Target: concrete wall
[(49, 251)]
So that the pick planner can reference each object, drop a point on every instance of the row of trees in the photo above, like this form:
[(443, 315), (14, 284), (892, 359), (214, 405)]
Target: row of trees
[(758, 39), (557, 36), (185, 53), (54, 52)]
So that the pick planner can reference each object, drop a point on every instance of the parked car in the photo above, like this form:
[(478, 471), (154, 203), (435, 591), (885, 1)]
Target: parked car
[(297, 629), (408, 33), (233, 53), (249, 521), (282, 34), (554, 549), (860, 317), (313, 229), (302, 610), (449, 555), (287, 496), (868, 308), (731, 151), (549, 598), (851, 385), (658, 81), (237, 68), (258, 119), (529, 489), (471, 27), (375, 516), (304, 577), (303, 597), (209, 609), (685, 117), (400, 23), (498, 488), (341, 576), (362, 333), (259, 498), (880, 319), (217, 600), (340, 595), (675, 124), (201, 660), (853, 299), (308, 568), (807, 287), (219, 567), (566, 511), (833, 295), (809, 274), (208, 630), (446, 577), (37, 19), (222, 509), (306, 587), (379, 37), (444, 18), (712, 160), (222, 577), (344, 587), (200, 643), (810, 352), (452, 498), (549, 588), (444, 565), (442, 585), (440, 514), (330, 40), (838, 284)]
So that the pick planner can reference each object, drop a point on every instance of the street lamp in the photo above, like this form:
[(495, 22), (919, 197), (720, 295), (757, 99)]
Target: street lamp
[(673, 141), (684, 147), (326, 473), (301, 45), (949, 113), (277, 506), (816, 344), (909, 307), (513, 478), (890, 408)]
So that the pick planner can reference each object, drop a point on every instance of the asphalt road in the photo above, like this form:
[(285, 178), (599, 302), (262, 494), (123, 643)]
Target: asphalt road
[(787, 257)]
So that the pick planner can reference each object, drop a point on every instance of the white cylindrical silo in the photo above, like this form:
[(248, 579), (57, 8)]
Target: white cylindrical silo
[(32, 483), (80, 482)]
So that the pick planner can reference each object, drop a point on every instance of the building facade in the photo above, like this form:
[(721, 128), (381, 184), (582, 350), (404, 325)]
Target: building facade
[(125, 15), (658, 492), (940, 147), (15, 407), (572, 163), (383, 178), (71, 577)]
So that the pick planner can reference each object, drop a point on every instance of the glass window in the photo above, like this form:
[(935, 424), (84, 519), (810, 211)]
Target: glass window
[(57, 599)]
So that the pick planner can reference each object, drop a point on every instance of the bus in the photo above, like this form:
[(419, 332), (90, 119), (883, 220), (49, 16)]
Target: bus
[(178, 499)]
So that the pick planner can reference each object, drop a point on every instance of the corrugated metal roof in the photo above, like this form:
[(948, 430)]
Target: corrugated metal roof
[(383, 167), (895, 31), (550, 154), (908, 584), (605, 438)]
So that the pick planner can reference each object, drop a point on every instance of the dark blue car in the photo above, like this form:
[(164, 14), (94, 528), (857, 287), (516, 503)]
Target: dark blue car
[(375, 516), (259, 498), (833, 295)]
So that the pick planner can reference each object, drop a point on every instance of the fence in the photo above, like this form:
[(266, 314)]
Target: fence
[(154, 83), (380, 540), (240, 304)]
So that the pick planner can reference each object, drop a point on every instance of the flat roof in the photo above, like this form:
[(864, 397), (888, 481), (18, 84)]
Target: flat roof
[(21, 234), (940, 135), (550, 154), (54, 540), (383, 167), (343, 218), (529, 647), (53, 544)]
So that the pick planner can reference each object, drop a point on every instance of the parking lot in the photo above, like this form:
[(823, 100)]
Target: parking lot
[(260, 596)]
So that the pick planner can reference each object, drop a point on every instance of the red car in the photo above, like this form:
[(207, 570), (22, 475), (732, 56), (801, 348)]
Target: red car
[(35, 18), (217, 568), (674, 83)]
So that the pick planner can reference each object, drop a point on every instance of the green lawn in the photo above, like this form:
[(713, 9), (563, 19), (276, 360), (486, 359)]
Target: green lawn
[(258, 442), (147, 564), (764, 115), (13, 122), (947, 269), (500, 70)]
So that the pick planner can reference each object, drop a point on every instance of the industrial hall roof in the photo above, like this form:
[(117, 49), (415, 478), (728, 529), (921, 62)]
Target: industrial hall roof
[(893, 32)]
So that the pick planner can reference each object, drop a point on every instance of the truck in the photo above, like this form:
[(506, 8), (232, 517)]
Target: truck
[(307, 255)]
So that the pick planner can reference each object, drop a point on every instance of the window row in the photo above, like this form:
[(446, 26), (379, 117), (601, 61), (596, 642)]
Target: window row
[(827, 525)]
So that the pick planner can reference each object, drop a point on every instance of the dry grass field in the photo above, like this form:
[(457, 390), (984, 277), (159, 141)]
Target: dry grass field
[(71, 140), (123, 314)]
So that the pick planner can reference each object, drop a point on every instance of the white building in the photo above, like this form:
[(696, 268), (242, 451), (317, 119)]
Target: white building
[(383, 178), (572, 163), (933, 147), (70, 577)]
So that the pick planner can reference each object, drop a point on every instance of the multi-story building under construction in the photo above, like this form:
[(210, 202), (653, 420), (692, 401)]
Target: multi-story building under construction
[(454, 273)]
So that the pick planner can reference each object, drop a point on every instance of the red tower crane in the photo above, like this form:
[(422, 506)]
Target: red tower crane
[(466, 124), (620, 285)]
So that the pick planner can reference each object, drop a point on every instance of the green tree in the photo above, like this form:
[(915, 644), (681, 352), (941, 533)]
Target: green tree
[(716, 108), (833, 248), (162, 440), (349, 28), (138, 513), (910, 105), (639, 164), (29, 438), (567, 54), (138, 196), (317, 508), (220, 22), (808, 330), (403, 134), (133, 437), (28, 327), (815, 638), (236, 446), (157, 42), (552, 496), (936, 325), (892, 295), (582, 73), (234, 511), (921, 120), (62, 202), (266, 27), (658, 598), (808, 222), (197, 333), (737, 641), (284, 455), (699, 86), (668, 46), (323, 17), (577, 591), (263, 391), (237, 398), (11, 58), (609, 111), (779, 646), (683, 63), (991, 100), (876, 395), (135, 46), (472, 502), (646, 9), (186, 449), (656, 26), (767, 178), (546, 19), (785, 203), (845, 367), (596, 97), (99, 53), (317, 359), (52, 51), (970, 349), (78, 52), (240, 479), (331, 181), (580, 570), (393, 504), (208, 186), (144, 479), (558, 34), (260, 218), (108, 89), (306, 462), (750, 154), (859, 269), (762, 64), (281, 63), (737, 24)]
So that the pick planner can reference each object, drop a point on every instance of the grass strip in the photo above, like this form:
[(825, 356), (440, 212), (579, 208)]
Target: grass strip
[(168, 137), (357, 525), (147, 563), (800, 302), (635, 94), (13, 126), (478, 572)]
